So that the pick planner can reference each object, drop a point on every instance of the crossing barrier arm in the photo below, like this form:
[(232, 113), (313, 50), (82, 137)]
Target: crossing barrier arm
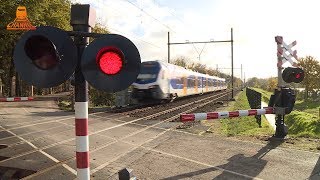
[(227, 114)]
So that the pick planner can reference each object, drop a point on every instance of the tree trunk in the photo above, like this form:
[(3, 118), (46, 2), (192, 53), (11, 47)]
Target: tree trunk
[(11, 75)]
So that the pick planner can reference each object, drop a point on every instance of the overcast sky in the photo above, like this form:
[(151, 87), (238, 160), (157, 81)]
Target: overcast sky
[(255, 23)]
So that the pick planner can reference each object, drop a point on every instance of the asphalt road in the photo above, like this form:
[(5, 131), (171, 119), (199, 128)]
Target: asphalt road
[(37, 141)]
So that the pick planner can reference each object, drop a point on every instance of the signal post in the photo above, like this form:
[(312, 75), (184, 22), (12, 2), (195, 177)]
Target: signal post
[(82, 20), (284, 98), (47, 56)]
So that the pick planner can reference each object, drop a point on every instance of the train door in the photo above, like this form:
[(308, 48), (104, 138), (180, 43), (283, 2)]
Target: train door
[(207, 84), (185, 85), (202, 84)]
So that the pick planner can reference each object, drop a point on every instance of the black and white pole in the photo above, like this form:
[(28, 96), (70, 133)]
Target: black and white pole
[(82, 22)]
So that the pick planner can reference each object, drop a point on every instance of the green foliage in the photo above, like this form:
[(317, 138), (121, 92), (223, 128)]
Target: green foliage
[(244, 125), (100, 98), (64, 105), (310, 107), (40, 12), (311, 68), (265, 95), (303, 124), (181, 61), (197, 67)]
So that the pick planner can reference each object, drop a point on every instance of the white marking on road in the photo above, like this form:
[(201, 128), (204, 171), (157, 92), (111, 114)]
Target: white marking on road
[(42, 152), (53, 120), (26, 111), (168, 154), (34, 132), (66, 124), (204, 164)]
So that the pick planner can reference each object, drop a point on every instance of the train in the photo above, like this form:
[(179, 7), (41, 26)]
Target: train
[(159, 80)]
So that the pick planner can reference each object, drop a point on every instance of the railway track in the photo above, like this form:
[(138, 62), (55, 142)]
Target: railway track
[(158, 115)]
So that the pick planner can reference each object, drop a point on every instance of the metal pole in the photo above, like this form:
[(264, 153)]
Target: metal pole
[(241, 75), (81, 91), (279, 64), (281, 129), (232, 63), (81, 110), (168, 47), (241, 71)]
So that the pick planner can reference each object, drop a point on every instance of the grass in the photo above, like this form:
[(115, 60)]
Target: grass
[(302, 124), (244, 126), (308, 107), (304, 120), (64, 105), (265, 95)]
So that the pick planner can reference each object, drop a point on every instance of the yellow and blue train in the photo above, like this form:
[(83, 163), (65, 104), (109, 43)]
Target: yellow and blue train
[(164, 81)]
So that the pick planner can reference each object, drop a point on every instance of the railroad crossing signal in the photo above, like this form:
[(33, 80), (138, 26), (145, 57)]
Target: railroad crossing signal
[(47, 57), (285, 53), (111, 63), (291, 74)]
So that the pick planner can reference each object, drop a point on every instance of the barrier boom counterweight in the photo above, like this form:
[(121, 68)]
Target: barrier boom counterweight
[(220, 115)]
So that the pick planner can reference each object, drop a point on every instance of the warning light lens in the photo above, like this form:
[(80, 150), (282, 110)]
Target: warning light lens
[(110, 60), (42, 52), (298, 76)]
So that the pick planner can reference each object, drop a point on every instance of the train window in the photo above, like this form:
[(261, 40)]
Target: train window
[(191, 82), (146, 76)]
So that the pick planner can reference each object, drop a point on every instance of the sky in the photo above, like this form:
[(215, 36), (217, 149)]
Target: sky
[(255, 24)]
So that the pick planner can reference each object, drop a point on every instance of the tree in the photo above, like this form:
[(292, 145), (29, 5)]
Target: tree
[(272, 83), (253, 82), (198, 67), (181, 61), (311, 69), (54, 13)]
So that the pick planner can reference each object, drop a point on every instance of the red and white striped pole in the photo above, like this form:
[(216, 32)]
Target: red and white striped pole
[(81, 92), (81, 115), (220, 115), (82, 140)]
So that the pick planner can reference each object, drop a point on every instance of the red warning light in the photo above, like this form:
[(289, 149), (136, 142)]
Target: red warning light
[(110, 60), (298, 76)]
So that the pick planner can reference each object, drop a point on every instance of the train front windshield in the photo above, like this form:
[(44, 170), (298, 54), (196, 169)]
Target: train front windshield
[(148, 73)]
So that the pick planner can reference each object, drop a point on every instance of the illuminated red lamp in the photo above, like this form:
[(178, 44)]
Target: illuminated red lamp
[(110, 60)]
